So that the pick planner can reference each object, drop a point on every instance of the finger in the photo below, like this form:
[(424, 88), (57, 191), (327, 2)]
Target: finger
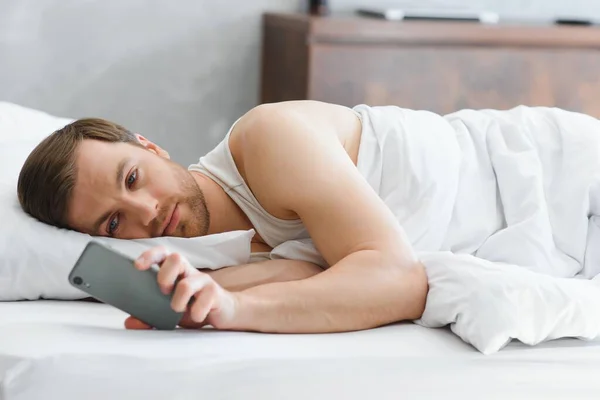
[(155, 255), (188, 323), (186, 289), (134, 323), (172, 268), (204, 303)]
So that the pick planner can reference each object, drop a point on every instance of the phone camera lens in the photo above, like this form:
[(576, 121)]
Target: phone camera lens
[(77, 280)]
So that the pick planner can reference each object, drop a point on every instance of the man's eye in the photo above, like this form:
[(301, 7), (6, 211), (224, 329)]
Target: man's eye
[(131, 179), (113, 225)]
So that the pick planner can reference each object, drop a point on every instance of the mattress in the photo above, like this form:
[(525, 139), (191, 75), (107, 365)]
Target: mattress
[(76, 350)]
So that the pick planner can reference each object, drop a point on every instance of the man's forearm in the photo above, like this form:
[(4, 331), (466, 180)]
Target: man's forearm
[(361, 291), (246, 276)]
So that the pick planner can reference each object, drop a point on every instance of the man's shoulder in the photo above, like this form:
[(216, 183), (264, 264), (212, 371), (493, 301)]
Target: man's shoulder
[(260, 122), (266, 113)]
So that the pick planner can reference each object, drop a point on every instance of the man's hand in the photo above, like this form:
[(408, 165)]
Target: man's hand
[(204, 301)]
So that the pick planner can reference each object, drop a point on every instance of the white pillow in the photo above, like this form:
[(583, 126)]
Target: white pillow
[(488, 304), (35, 258)]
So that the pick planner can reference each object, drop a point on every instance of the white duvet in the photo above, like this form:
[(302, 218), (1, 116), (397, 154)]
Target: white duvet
[(502, 207)]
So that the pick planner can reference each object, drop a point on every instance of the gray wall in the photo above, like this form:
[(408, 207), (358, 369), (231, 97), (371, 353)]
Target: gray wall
[(177, 71)]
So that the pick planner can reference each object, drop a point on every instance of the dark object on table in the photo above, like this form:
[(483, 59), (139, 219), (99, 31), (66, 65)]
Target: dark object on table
[(574, 21), (436, 66), (319, 7)]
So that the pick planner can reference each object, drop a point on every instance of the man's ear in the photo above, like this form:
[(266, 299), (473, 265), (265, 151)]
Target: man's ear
[(153, 147)]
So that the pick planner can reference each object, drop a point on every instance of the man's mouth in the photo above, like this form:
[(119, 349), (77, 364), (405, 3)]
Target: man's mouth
[(171, 222)]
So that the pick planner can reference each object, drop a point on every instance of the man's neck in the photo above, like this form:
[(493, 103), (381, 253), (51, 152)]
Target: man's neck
[(225, 214)]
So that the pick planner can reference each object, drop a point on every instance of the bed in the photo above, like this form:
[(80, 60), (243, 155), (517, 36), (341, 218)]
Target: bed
[(514, 282), (76, 349)]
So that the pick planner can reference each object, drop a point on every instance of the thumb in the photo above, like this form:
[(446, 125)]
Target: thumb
[(134, 323)]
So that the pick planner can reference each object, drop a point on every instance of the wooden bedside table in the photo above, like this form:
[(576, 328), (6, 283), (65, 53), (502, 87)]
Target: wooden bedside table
[(437, 66)]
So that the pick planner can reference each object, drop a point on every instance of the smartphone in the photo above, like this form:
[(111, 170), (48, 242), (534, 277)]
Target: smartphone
[(112, 278)]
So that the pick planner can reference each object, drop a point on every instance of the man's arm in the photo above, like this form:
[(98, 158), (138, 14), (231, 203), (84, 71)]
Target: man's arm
[(294, 163)]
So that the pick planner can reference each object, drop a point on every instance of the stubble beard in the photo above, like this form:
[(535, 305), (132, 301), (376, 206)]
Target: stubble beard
[(198, 222)]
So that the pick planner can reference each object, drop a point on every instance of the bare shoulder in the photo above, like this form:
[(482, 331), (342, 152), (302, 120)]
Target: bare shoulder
[(329, 121), (273, 144), (318, 111)]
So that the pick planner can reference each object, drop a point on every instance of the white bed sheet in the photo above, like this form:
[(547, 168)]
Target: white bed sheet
[(76, 350)]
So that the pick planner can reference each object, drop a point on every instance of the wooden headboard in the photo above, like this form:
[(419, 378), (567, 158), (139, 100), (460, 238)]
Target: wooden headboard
[(438, 66)]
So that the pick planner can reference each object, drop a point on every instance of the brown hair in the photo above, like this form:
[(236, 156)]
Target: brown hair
[(48, 176)]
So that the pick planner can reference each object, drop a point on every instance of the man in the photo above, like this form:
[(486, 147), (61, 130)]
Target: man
[(288, 170)]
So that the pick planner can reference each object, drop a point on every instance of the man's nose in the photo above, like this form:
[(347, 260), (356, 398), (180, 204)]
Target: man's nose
[(146, 207)]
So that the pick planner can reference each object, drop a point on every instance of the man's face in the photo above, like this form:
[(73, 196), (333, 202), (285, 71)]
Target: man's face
[(130, 192)]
